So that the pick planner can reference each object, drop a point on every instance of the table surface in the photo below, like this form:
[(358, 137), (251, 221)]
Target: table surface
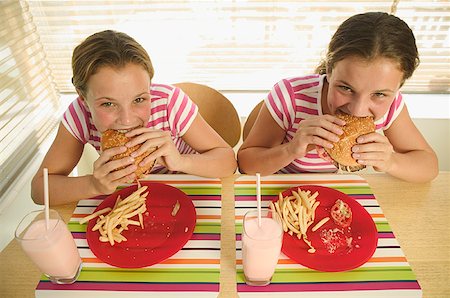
[(417, 213)]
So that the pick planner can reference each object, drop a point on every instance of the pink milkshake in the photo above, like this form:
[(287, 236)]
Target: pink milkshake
[(53, 251), (261, 246)]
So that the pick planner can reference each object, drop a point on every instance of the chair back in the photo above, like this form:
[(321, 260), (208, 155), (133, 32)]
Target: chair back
[(216, 109), (251, 120)]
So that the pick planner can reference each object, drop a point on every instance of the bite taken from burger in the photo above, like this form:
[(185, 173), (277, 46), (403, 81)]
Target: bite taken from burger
[(115, 138), (341, 153)]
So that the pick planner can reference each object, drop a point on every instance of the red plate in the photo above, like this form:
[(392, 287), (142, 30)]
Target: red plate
[(163, 234), (362, 231)]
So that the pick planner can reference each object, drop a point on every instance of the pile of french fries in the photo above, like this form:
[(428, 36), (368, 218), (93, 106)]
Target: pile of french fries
[(297, 213), (120, 216)]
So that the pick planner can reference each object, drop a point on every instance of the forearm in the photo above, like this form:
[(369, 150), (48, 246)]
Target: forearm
[(262, 160), (215, 163), (415, 166), (62, 189)]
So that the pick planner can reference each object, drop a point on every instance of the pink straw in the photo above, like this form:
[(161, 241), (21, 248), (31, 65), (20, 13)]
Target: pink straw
[(258, 197), (46, 200)]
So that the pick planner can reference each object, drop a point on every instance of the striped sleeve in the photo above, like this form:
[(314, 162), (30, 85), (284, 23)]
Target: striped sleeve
[(181, 111), (281, 104), (394, 110), (75, 120)]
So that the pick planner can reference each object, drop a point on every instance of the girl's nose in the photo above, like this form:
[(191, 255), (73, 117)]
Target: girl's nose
[(359, 107), (126, 117)]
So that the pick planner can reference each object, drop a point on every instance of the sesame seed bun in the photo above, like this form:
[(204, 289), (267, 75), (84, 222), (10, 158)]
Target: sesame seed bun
[(114, 138), (341, 153)]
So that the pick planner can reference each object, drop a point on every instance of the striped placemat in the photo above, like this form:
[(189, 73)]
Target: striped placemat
[(386, 274), (194, 270)]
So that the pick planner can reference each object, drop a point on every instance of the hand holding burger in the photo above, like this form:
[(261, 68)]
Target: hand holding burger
[(341, 153), (115, 138)]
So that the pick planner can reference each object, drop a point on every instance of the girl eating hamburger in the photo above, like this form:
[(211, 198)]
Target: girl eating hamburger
[(132, 122), (298, 128)]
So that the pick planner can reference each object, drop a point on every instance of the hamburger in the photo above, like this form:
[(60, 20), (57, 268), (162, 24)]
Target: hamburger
[(115, 138), (341, 153)]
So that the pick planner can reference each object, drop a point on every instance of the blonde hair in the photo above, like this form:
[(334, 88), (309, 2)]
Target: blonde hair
[(371, 35), (106, 48)]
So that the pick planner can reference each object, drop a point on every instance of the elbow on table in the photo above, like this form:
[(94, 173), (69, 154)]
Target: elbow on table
[(231, 164), (433, 169), (36, 191), (247, 165), (427, 172)]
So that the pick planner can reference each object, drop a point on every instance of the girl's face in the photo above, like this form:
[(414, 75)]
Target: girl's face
[(119, 98), (362, 88)]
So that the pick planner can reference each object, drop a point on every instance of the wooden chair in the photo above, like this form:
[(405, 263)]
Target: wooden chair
[(251, 120), (216, 109)]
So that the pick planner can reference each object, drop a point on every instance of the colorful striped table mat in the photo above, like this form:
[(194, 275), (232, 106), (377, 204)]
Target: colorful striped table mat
[(192, 272), (386, 274)]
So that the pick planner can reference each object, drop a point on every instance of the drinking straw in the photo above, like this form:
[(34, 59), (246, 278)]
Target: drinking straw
[(46, 201), (258, 197)]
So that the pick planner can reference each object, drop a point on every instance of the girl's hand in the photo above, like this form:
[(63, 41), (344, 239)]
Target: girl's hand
[(106, 178), (374, 150), (166, 153), (318, 131)]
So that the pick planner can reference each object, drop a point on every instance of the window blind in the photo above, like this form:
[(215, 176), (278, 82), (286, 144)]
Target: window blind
[(237, 45), (29, 101)]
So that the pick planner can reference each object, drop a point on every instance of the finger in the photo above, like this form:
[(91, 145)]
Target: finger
[(118, 163), (139, 131), (150, 145), (323, 135), (326, 122), (148, 141), (323, 154), (107, 154), (372, 147), (371, 137), (334, 119), (138, 138), (161, 139), (377, 165), (149, 159), (321, 142), (370, 156), (119, 174), (157, 154), (315, 140), (126, 179)]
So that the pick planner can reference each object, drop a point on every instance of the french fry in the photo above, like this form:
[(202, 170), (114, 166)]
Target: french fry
[(305, 199), (313, 197), (94, 215), (117, 219), (291, 211), (297, 213), (176, 207), (141, 220), (133, 196), (320, 223)]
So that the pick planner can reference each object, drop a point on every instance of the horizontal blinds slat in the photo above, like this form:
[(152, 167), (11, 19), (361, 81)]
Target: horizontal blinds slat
[(23, 108), (236, 45), (29, 101)]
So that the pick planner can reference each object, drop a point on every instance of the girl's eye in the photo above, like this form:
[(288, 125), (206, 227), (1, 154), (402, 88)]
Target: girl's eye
[(380, 95), (107, 104), (139, 100), (345, 88)]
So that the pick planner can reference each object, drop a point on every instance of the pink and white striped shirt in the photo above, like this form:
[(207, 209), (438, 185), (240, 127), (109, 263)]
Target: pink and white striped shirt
[(171, 110), (294, 99)]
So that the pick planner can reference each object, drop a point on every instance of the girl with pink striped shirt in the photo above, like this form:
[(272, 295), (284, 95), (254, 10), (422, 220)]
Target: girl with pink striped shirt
[(369, 58), (112, 75)]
